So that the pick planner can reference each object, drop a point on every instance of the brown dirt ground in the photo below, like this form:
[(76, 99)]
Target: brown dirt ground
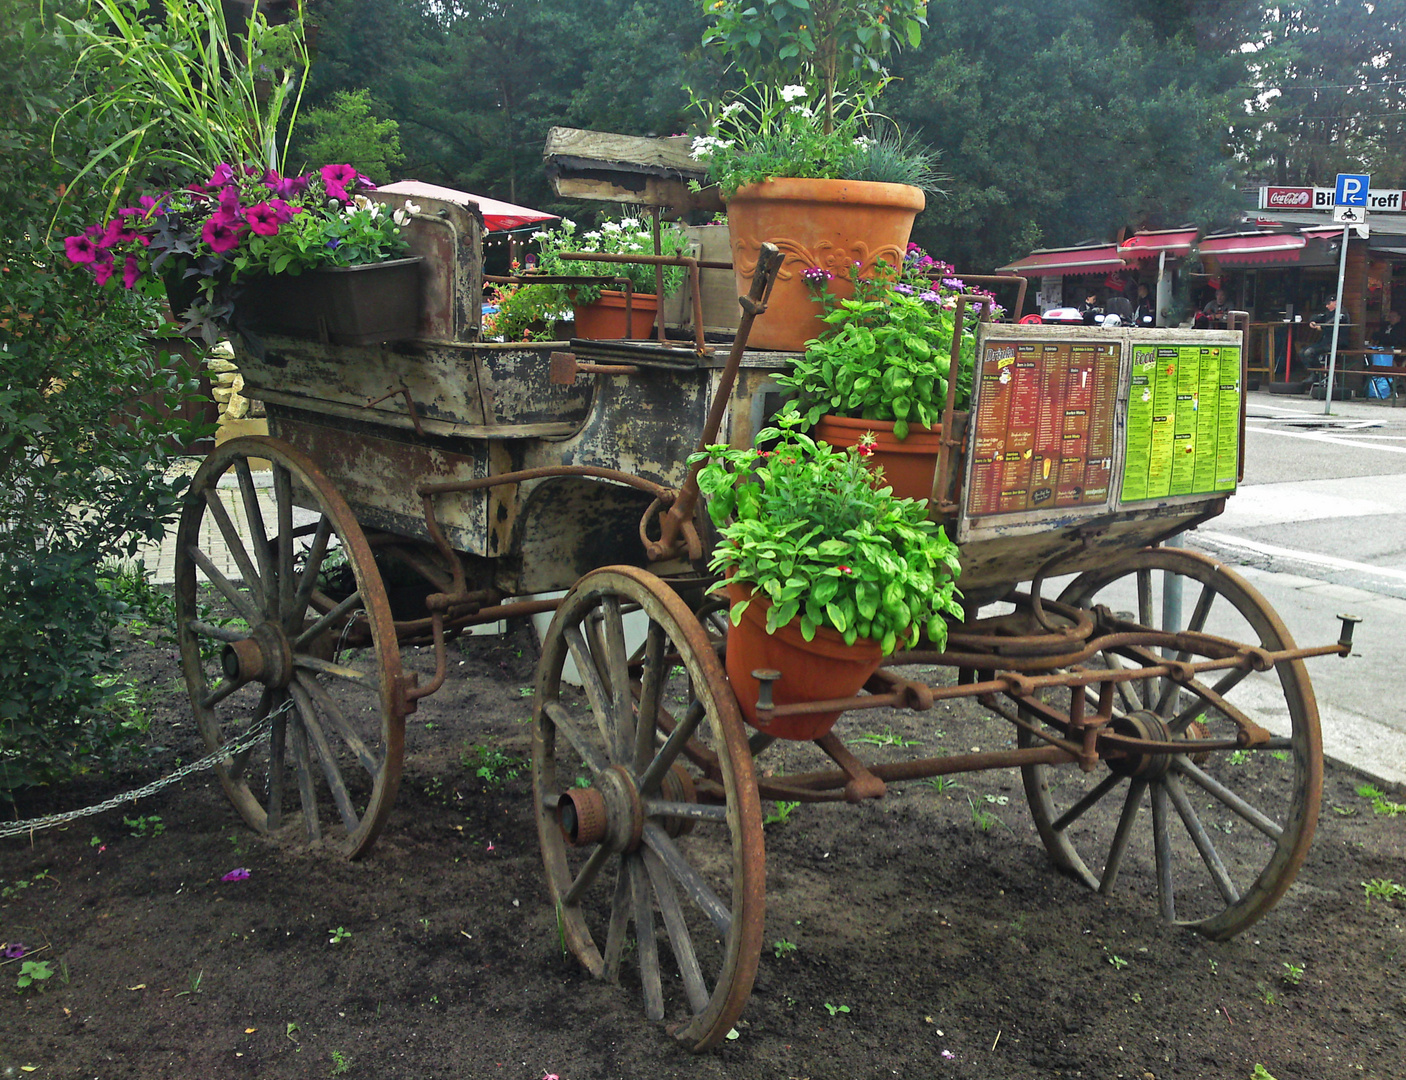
[(959, 952)]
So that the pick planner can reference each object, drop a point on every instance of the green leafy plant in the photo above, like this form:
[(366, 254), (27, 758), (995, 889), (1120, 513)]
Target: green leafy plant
[(1260, 1073), (1380, 803), (35, 973), (1383, 889), (835, 1009), (1293, 973), (491, 765), (627, 236), (1117, 961), (150, 825), (887, 737), (339, 935), (805, 526), (887, 354), (983, 819), (781, 813), (341, 1063), (942, 783), (526, 312), (782, 948), (348, 129)]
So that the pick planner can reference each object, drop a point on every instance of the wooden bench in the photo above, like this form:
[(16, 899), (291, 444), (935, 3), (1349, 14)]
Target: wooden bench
[(1366, 370)]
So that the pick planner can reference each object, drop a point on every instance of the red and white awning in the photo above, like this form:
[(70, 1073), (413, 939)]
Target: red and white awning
[(1097, 259), (1253, 248), (1149, 245), (498, 216)]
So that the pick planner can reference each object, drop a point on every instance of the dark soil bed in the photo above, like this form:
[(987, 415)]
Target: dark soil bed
[(925, 945)]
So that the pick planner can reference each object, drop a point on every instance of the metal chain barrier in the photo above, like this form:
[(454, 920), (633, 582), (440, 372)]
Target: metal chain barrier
[(248, 740)]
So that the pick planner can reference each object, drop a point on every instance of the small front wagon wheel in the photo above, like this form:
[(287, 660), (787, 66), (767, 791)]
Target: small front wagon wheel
[(647, 809), (1214, 837), (271, 590)]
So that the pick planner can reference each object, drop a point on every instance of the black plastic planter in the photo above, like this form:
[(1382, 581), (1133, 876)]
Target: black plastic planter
[(341, 305)]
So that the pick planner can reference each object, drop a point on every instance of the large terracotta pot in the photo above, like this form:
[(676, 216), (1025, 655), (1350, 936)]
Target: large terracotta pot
[(606, 320), (832, 224), (819, 670), (909, 464)]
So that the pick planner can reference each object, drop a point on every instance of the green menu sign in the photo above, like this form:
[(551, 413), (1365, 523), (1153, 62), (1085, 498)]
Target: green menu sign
[(1183, 421)]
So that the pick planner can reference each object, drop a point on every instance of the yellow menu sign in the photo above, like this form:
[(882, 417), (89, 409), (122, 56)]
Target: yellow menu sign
[(1183, 421)]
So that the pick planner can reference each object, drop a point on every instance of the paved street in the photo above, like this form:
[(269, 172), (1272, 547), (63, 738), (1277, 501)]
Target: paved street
[(1319, 527)]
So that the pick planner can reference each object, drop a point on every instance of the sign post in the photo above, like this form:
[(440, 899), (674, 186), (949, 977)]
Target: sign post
[(1350, 200)]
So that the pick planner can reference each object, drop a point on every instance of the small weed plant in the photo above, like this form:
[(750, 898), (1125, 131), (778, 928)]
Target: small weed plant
[(783, 948), (34, 973), (1383, 889), (341, 1063), (1117, 961), (942, 783), (339, 935), (1380, 803), (835, 1010), (151, 825), (491, 765), (887, 737), (781, 814), (1293, 973)]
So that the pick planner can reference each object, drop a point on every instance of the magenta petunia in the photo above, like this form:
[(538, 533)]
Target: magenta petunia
[(229, 201), (340, 175), (263, 219), (117, 232), (336, 191), (131, 273), (80, 249), (223, 174), (103, 267), (237, 874), (284, 211), (222, 233), (286, 187)]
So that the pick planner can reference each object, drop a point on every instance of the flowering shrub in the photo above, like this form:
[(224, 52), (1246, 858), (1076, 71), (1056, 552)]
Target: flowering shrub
[(628, 236), (805, 525), (761, 134), (242, 222), (524, 312), (888, 353)]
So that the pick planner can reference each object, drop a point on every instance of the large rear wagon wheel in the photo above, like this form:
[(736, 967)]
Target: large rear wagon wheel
[(647, 808), (261, 639), (1213, 837)]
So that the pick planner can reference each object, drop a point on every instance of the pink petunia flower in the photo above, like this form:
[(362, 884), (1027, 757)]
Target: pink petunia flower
[(285, 211), (341, 175), (103, 267), (131, 273), (222, 233), (223, 174), (286, 187), (263, 219), (80, 249), (117, 232)]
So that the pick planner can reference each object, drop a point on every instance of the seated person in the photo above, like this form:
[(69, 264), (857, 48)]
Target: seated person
[(1391, 334), (1317, 353), (1144, 307), (1089, 306), (1217, 306)]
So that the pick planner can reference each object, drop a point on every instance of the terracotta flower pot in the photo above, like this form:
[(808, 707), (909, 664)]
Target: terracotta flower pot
[(832, 224), (909, 464), (817, 670), (605, 320)]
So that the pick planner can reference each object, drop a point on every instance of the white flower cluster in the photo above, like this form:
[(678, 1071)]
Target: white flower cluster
[(706, 144), (403, 214), (791, 93)]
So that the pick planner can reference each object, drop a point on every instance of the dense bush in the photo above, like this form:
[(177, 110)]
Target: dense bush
[(82, 463)]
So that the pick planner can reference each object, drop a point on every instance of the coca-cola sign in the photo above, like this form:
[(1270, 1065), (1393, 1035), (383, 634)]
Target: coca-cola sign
[(1287, 197)]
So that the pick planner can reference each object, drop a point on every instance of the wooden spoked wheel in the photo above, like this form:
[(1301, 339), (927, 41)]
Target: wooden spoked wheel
[(1215, 837), (647, 808), (260, 639)]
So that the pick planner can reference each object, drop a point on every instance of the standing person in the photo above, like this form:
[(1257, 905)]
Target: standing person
[(1144, 307)]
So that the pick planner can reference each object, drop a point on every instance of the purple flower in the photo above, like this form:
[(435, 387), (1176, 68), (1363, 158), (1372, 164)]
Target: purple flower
[(131, 272), (222, 233), (222, 175), (285, 187), (103, 267), (117, 232), (80, 249), (816, 275), (930, 297), (237, 874), (14, 950), (264, 219), (953, 283), (906, 290)]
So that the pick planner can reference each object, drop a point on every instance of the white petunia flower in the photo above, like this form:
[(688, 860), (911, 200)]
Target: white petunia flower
[(609, 227), (733, 108), (568, 224), (791, 93), (629, 223)]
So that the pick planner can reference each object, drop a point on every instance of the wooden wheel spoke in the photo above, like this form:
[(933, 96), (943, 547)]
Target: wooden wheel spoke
[(1080, 808), (278, 747), (622, 724), (679, 741), (645, 941), (1228, 798), (227, 588), (333, 715), (590, 754), (676, 927), (234, 543), (325, 622), (337, 671), (254, 515), (1162, 855), (224, 690), (687, 811), (587, 876), (283, 501), (619, 925), (597, 693), (1131, 804), (325, 755), (307, 791), (1202, 840), (651, 688), (216, 633), (312, 567), (237, 762), (1226, 683), (697, 890)]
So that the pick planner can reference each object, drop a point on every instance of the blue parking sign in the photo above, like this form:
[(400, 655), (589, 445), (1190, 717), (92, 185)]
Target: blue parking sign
[(1352, 189)]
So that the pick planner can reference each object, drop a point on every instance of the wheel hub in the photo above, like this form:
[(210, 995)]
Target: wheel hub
[(1148, 726), (610, 813), (264, 656)]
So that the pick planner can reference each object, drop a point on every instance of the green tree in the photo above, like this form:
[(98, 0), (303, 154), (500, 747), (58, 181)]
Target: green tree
[(347, 131), (81, 466)]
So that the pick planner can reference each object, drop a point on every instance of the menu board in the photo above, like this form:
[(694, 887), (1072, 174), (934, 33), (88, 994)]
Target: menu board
[(1044, 425), (1183, 421)]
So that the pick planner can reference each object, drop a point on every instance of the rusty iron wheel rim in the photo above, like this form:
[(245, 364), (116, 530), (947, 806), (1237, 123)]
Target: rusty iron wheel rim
[(595, 735), (1188, 829), (315, 750)]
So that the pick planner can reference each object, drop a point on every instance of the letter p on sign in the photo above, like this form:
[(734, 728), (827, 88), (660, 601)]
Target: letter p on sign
[(1352, 189)]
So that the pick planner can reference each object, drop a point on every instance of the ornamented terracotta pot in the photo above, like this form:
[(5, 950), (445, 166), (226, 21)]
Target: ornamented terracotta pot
[(832, 224), (909, 464), (605, 320), (818, 670)]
